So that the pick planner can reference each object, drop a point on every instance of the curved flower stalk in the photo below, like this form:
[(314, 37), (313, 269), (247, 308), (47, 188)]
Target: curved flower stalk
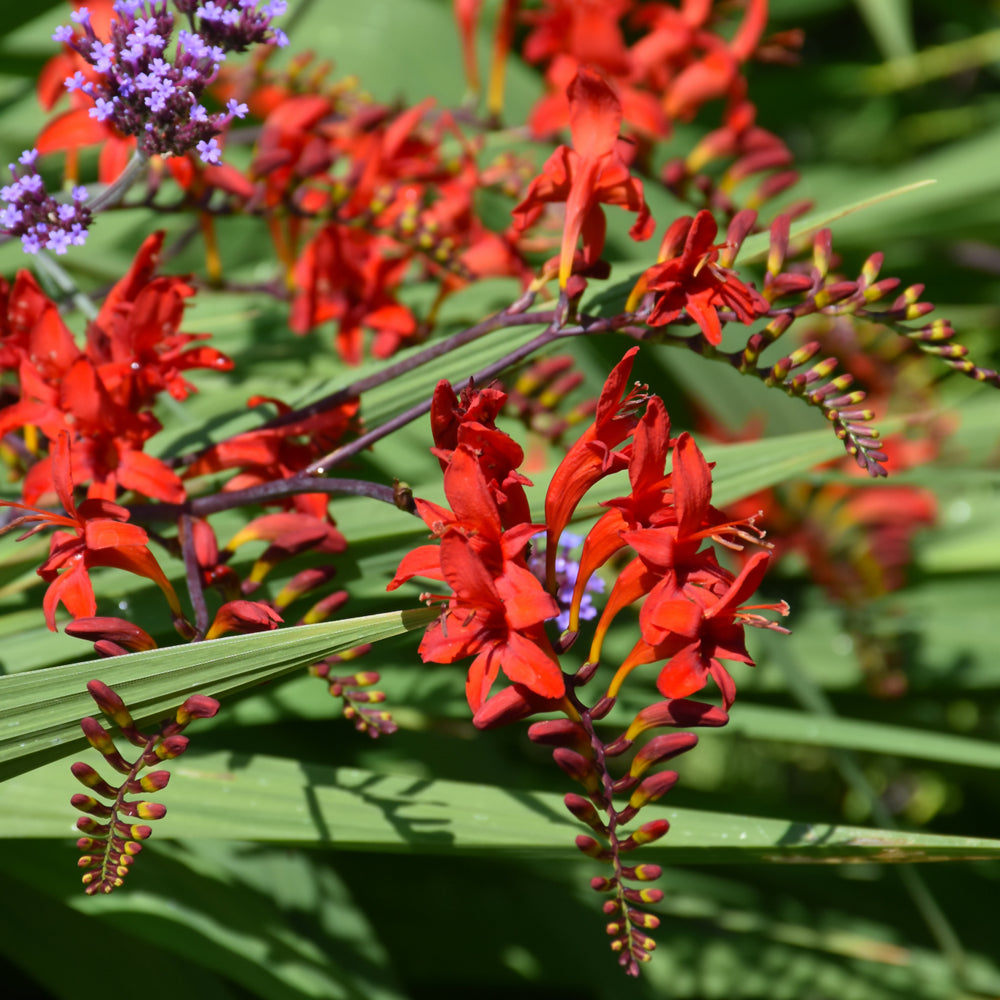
[(695, 283), (692, 611), (111, 838)]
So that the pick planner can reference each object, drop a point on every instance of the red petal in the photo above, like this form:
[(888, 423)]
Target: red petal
[(527, 664), (73, 589), (424, 561), (595, 114), (685, 673), (482, 673), (71, 130), (692, 483), (62, 477), (525, 602), (149, 476)]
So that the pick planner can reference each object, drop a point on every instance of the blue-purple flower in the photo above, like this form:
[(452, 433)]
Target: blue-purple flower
[(149, 83), (37, 217)]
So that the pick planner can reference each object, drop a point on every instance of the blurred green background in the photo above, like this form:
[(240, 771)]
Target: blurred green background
[(872, 712)]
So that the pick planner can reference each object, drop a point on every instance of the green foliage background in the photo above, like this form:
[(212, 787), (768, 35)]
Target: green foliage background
[(300, 860)]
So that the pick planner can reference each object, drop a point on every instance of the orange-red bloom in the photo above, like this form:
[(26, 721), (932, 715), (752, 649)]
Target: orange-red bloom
[(98, 536), (692, 613), (695, 628), (349, 275), (593, 455), (103, 395), (497, 607), (590, 174), (269, 454), (693, 281)]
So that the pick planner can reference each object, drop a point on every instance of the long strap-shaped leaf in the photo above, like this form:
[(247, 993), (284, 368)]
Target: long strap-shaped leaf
[(40, 711), (275, 799)]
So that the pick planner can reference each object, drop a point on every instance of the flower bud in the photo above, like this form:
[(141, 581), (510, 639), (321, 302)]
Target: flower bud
[(661, 748)]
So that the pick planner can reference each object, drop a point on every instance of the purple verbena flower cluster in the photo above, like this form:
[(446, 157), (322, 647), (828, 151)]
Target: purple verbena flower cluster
[(36, 216), (142, 89), (235, 25), (567, 570)]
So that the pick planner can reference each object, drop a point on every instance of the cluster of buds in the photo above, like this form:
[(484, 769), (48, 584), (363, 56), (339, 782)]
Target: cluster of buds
[(110, 847), (506, 604)]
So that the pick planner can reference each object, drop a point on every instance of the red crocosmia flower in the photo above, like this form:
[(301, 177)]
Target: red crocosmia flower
[(695, 283), (471, 421), (64, 391), (449, 412), (551, 112), (715, 634), (290, 148), (666, 520), (104, 394), (347, 274), (593, 455), (98, 536), (587, 29), (109, 446), (398, 156), (135, 339), (674, 549), (646, 505), (497, 607), (669, 549), (695, 628), (590, 174)]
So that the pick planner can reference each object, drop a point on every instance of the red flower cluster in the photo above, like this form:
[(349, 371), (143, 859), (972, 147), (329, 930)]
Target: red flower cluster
[(498, 607), (102, 395), (391, 199), (400, 204), (676, 60), (692, 613), (692, 610), (98, 536), (276, 452)]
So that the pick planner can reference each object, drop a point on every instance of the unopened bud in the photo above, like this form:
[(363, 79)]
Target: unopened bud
[(584, 811), (676, 712), (559, 733), (661, 748), (592, 848), (653, 788), (198, 706), (646, 834)]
